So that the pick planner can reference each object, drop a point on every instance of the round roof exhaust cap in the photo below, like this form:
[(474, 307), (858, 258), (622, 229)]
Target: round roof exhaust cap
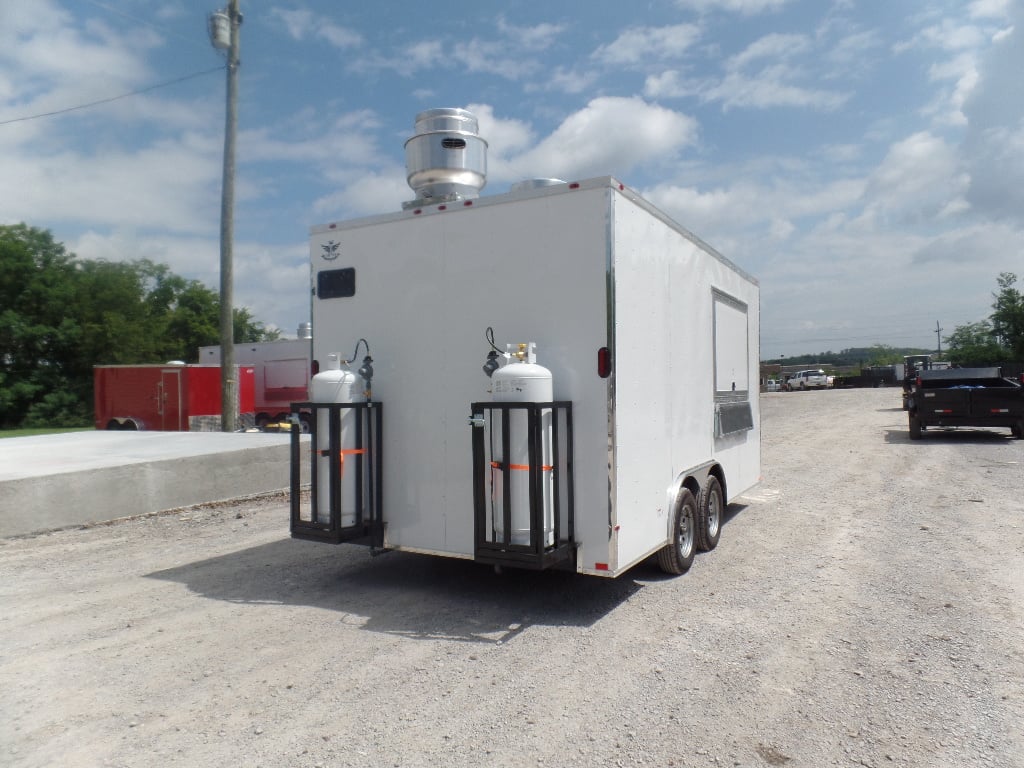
[(447, 159)]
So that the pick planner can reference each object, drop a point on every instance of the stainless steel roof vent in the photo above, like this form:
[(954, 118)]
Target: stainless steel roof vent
[(446, 160), (527, 184)]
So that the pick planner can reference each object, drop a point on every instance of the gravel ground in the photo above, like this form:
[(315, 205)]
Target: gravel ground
[(865, 607)]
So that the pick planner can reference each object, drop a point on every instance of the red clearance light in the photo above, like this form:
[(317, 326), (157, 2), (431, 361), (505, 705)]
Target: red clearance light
[(574, 185), (468, 203), (418, 211), (600, 566), (442, 207), (332, 226), (604, 362)]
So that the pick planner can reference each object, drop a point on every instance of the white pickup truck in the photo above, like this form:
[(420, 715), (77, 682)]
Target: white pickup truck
[(810, 379)]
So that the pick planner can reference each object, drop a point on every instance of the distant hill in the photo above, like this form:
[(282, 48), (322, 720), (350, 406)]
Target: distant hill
[(854, 356)]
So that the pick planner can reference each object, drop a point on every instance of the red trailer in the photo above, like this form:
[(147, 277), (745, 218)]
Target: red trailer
[(283, 369), (170, 398)]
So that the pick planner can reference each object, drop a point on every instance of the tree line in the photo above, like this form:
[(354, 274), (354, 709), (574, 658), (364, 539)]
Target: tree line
[(997, 339), (61, 315)]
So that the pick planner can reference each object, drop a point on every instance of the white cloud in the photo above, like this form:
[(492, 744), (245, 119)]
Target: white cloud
[(751, 207), (505, 136), (563, 80), (920, 179), (989, 9), (765, 74), (303, 25), (773, 46), (639, 44), (743, 7), (667, 85), (368, 193), (168, 185), (610, 136), (535, 38), (773, 86)]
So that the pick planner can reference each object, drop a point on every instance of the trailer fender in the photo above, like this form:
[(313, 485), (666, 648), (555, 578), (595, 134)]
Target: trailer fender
[(126, 424), (694, 480)]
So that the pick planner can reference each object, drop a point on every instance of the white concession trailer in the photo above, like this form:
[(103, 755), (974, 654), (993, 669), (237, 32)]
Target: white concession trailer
[(556, 377)]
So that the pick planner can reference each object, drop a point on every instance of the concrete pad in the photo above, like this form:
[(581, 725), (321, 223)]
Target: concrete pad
[(52, 481)]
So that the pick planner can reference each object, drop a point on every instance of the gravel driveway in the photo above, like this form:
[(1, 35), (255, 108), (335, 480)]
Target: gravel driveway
[(865, 607)]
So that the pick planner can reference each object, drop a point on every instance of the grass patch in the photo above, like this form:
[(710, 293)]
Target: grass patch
[(41, 431)]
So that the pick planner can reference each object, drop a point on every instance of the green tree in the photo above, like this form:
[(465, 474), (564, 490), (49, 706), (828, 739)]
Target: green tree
[(974, 344), (1008, 316), (36, 331), (60, 316), (883, 354)]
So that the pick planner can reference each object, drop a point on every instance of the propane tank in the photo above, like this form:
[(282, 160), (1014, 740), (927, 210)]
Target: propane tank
[(335, 385), (522, 380)]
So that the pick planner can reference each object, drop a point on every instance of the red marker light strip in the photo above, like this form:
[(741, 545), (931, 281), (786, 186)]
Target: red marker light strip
[(499, 465)]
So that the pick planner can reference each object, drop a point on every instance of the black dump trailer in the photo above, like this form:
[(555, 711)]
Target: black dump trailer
[(965, 397)]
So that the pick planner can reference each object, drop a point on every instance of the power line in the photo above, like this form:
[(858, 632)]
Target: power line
[(194, 39), (113, 98)]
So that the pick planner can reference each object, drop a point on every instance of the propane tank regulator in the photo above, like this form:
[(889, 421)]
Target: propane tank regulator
[(492, 364), (365, 370)]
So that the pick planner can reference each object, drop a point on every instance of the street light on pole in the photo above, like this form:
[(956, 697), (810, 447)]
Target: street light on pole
[(224, 26)]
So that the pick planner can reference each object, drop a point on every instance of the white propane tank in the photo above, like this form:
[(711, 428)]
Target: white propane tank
[(334, 385), (522, 380)]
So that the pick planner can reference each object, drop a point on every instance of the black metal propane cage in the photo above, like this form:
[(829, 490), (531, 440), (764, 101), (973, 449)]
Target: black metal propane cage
[(357, 463), (548, 539)]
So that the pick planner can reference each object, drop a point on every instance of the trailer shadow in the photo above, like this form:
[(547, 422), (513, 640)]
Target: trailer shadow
[(397, 593), (951, 436)]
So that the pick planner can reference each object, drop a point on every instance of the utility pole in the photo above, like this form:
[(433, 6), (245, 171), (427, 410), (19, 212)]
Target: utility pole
[(228, 380), (938, 331)]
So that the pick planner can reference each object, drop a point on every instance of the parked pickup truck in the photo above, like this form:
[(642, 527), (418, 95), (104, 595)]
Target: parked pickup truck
[(965, 397), (813, 379)]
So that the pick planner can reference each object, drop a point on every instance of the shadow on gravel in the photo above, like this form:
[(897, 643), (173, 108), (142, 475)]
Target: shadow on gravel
[(951, 436), (417, 596)]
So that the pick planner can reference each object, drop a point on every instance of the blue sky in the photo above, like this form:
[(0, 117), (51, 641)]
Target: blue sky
[(864, 160)]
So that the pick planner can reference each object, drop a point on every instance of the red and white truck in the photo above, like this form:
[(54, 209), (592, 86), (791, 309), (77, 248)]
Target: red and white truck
[(172, 398), (282, 370)]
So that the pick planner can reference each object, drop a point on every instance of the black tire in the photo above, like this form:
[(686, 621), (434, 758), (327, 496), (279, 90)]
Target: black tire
[(677, 556), (712, 510), (915, 428), (1018, 430)]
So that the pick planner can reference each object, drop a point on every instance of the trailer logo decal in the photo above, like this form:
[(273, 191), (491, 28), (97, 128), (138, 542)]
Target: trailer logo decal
[(330, 250)]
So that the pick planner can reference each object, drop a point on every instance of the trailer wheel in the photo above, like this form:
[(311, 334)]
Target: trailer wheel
[(1018, 430), (677, 556), (712, 508), (915, 428)]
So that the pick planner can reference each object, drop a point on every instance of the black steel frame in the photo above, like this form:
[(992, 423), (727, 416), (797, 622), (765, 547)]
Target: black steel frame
[(536, 554), (325, 515)]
